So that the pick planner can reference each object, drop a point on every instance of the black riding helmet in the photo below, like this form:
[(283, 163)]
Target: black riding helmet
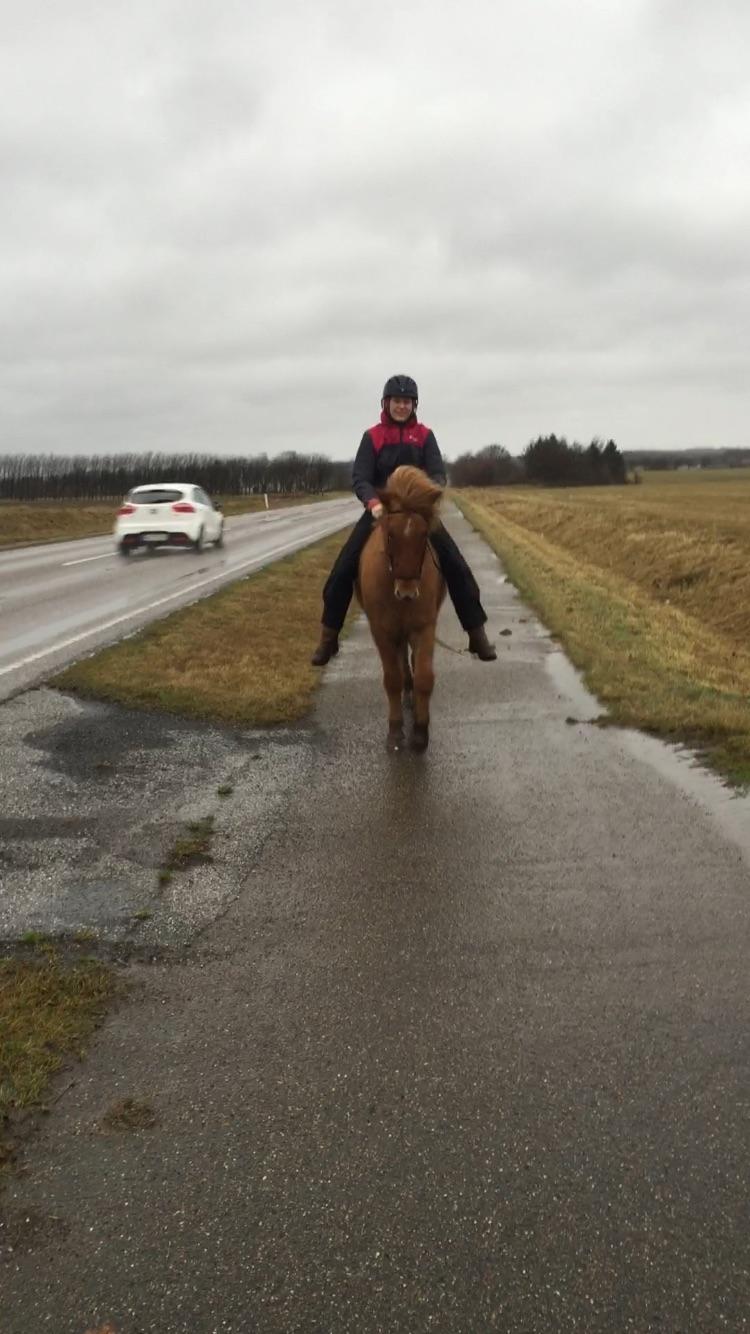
[(401, 386)]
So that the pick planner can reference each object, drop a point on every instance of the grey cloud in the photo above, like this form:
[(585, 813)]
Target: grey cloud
[(224, 227)]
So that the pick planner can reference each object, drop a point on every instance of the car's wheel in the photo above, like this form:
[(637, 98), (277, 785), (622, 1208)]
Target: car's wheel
[(219, 541), (198, 543), (122, 550)]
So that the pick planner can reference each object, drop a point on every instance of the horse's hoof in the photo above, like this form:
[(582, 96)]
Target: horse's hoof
[(395, 740), (420, 738)]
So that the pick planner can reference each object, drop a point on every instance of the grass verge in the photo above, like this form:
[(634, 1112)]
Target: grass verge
[(664, 668), (239, 657), (48, 1007)]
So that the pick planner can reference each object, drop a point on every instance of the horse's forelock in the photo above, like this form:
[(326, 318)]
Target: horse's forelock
[(412, 489)]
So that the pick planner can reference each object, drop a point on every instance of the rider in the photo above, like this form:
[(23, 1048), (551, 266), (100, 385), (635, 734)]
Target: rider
[(398, 438)]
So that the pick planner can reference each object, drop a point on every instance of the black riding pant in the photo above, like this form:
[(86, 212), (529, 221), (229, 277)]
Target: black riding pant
[(462, 586)]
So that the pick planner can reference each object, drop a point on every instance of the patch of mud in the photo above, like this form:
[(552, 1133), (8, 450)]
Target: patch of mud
[(129, 1114)]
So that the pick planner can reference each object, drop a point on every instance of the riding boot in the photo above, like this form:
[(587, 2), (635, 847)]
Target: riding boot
[(327, 648), (480, 644)]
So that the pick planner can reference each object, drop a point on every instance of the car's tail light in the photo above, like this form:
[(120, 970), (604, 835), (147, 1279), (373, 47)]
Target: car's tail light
[(183, 507), (126, 509)]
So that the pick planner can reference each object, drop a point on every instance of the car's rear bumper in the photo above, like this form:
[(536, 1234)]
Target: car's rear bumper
[(158, 537)]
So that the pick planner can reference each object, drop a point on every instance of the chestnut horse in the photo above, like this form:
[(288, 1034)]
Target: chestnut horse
[(400, 589)]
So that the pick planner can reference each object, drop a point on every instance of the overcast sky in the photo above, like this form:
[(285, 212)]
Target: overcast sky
[(223, 225)]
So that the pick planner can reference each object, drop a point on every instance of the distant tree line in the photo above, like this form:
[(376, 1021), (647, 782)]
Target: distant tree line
[(110, 476), (491, 466), (669, 459), (547, 461)]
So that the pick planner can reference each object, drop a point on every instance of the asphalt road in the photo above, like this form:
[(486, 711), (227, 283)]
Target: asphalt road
[(63, 599), (460, 1042)]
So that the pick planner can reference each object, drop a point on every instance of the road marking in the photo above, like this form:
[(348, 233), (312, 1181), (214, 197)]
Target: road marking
[(161, 602), (108, 555)]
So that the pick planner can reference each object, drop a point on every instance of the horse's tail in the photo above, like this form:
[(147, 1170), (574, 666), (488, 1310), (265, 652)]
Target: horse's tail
[(411, 489)]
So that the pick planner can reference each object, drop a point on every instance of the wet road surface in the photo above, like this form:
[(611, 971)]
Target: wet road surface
[(61, 600), (466, 1049)]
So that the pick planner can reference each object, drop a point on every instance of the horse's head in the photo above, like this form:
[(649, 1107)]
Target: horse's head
[(405, 546), (410, 501)]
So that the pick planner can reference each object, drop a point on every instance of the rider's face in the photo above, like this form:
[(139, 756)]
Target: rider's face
[(400, 409)]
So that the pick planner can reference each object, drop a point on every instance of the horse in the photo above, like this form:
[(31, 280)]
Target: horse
[(400, 588)]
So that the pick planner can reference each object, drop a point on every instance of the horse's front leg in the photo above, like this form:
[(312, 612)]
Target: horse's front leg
[(408, 680), (393, 681), (424, 682)]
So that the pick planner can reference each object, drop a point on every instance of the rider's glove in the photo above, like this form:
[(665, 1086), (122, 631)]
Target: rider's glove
[(376, 511)]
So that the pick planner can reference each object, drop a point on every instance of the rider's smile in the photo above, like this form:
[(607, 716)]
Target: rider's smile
[(401, 409)]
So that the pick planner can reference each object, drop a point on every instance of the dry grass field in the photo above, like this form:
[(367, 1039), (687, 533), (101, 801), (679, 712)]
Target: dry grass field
[(45, 521), (648, 587), (238, 657), (56, 521)]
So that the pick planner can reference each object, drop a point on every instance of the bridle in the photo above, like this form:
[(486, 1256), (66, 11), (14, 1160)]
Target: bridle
[(389, 551)]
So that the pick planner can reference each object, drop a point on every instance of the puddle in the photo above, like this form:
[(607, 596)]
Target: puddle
[(677, 764), (78, 746), (730, 809), (568, 679)]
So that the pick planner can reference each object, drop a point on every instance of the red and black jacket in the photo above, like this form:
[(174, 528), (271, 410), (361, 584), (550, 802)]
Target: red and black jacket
[(387, 446)]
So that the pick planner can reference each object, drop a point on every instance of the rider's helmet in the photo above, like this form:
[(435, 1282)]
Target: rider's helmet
[(401, 386)]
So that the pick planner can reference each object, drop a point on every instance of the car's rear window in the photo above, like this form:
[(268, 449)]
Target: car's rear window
[(158, 496)]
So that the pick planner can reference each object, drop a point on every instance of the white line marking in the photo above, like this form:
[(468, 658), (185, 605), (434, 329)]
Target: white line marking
[(130, 615), (108, 555)]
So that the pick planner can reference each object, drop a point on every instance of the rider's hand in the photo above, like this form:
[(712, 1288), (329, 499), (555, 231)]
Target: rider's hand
[(376, 511)]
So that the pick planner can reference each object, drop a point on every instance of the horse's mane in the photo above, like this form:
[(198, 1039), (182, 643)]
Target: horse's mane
[(411, 489)]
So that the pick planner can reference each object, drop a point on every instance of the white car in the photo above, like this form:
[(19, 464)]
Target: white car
[(168, 514)]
